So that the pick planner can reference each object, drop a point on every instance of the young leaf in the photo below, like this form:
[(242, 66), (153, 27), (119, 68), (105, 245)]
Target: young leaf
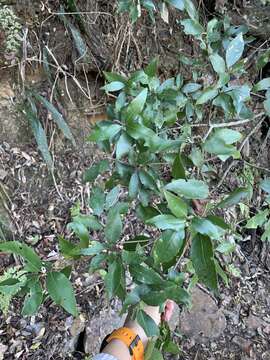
[(57, 117), (15, 247), (265, 185), (235, 50), (147, 323), (97, 169), (33, 300), (165, 222), (136, 106), (178, 170), (177, 206), (235, 197), (97, 200), (168, 245), (202, 257), (113, 227), (218, 63), (264, 84), (61, 291), (190, 189)]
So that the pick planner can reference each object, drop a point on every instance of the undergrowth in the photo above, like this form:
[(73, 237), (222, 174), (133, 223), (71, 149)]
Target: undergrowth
[(158, 169)]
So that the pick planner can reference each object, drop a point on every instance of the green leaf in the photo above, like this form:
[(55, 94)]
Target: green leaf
[(202, 257), (136, 106), (104, 132), (66, 247), (178, 170), (10, 286), (111, 77), (61, 291), (190, 189), (145, 275), (96, 262), (266, 104), (113, 227), (151, 69), (147, 323), (266, 234), (97, 200), (206, 95), (218, 221), (113, 277), (147, 180), (178, 4), (155, 354), (57, 117), (171, 348), (113, 86), (123, 146), (168, 245), (191, 88), (79, 41), (218, 63), (81, 231), (131, 244), (112, 197), (225, 102), (263, 60), (33, 300), (177, 206), (133, 186), (235, 50), (192, 27), (98, 169), (165, 222), (265, 185), (16, 248), (191, 10), (226, 247), (94, 248), (40, 137), (196, 157), (205, 227), (264, 84), (235, 197), (220, 142), (258, 220)]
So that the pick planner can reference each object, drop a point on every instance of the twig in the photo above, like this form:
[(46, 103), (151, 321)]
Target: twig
[(257, 166)]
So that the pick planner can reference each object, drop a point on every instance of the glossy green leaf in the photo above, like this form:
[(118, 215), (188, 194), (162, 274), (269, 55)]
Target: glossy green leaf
[(191, 87), (113, 86), (33, 300), (104, 132), (123, 146), (113, 227), (94, 248), (196, 157), (206, 95), (235, 50), (97, 169), (97, 261), (113, 77), (205, 227), (190, 189), (202, 257), (145, 275), (113, 277), (152, 67), (61, 291), (16, 248), (112, 197), (136, 106), (263, 84), (133, 186), (218, 63), (147, 180), (177, 206), (147, 323), (97, 200), (265, 185), (191, 10), (168, 245), (226, 247), (165, 222), (235, 197), (171, 348), (220, 142), (178, 170), (192, 27), (155, 355), (258, 220), (81, 231), (178, 4)]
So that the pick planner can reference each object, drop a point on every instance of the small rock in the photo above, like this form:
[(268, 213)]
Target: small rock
[(266, 329), (3, 174), (204, 320), (244, 344), (3, 349), (174, 320), (76, 327), (253, 322), (266, 355)]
